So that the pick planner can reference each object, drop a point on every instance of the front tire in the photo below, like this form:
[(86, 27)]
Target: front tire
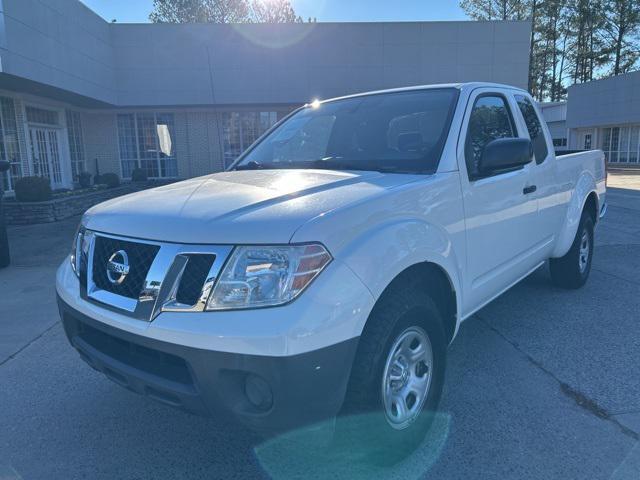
[(397, 376), (572, 270)]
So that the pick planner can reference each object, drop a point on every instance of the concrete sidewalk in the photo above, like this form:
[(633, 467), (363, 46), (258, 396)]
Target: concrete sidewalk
[(27, 290)]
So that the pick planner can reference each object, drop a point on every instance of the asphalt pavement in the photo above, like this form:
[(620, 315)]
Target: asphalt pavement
[(542, 383)]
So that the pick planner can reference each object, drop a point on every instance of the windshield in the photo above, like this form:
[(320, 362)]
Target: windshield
[(400, 132)]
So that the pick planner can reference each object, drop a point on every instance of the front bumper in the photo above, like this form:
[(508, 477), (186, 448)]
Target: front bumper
[(268, 394)]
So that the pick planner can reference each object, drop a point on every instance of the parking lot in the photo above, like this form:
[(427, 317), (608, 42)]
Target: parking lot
[(542, 383)]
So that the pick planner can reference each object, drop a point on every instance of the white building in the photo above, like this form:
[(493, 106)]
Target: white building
[(555, 114), (78, 93), (606, 114)]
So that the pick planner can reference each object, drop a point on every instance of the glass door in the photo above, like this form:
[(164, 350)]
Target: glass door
[(45, 152)]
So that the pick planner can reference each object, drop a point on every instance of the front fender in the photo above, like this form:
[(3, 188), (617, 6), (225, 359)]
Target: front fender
[(380, 255), (585, 185)]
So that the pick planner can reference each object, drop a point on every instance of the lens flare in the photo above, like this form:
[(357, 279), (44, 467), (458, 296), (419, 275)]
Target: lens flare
[(275, 36)]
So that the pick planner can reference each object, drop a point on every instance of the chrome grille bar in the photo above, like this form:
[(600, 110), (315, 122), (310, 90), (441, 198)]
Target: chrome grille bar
[(162, 280)]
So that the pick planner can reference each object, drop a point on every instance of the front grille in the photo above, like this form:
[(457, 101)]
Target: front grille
[(153, 362), (140, 255), (193, 278)]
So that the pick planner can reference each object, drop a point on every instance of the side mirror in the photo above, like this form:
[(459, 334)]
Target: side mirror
[(505, 154), (4, 166)]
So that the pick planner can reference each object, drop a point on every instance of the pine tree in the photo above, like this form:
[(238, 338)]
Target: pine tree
[(622, 29), (572, 41), (497, 9)]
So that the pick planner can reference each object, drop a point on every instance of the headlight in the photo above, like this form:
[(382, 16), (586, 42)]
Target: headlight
[(80, 250), (267, 276), (74, 257)]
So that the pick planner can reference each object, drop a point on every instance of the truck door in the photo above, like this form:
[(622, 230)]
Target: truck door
[(501, 209), (551, 208)]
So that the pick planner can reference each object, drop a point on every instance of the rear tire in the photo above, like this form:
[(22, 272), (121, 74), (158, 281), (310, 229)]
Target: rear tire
[(572, 270), (401, 351)]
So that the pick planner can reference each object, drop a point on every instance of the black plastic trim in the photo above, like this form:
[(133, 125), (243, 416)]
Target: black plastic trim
[(306, 388)]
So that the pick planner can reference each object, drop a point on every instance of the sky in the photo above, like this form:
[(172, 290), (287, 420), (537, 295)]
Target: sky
[(137, 11)]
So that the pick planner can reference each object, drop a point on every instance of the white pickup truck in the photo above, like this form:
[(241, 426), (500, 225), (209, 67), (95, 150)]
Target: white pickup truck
[(327, 270)]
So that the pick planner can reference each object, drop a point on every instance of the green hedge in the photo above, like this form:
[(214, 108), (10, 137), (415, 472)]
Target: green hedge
[(33, 189), (111, 180), (139, 175)]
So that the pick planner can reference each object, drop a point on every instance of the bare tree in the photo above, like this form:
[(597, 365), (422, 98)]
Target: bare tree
[(274, 11), (223, 11)]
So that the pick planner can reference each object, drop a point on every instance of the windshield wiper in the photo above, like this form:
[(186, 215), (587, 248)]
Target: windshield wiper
[(327, 163), (357, 165), (252, 165)]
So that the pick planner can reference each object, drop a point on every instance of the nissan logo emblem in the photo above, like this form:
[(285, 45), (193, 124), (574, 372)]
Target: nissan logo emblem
[(118, 267)]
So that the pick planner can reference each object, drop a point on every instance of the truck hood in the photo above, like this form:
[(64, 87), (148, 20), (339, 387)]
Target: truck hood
[(238, 207)]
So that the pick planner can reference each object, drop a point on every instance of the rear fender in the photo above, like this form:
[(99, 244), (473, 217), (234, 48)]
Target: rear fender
[(585, 185)]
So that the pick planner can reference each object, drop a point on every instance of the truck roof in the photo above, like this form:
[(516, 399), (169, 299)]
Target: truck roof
[(459, 86)]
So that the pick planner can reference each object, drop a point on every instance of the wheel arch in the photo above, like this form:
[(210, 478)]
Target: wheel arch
[(583, 198), (434, 279), (591, 206), (410, 248)]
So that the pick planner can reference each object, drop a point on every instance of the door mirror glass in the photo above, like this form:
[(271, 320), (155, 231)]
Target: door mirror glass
[(505, 154)]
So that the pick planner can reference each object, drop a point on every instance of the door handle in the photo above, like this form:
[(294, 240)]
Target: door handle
[(529, 189)]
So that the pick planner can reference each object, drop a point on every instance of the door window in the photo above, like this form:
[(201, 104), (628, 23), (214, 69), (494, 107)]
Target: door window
[(587, 141), (534, 127), (490, 119)]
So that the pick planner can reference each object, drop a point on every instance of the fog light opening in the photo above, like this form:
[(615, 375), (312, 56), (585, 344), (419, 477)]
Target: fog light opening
[(258, 392)]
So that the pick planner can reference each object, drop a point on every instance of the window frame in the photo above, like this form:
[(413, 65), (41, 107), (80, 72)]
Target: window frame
[(136, 133), (280, 116), (526, 127), (609, 149), (56, 112), (16, 169), (75, 139), (465, 125)]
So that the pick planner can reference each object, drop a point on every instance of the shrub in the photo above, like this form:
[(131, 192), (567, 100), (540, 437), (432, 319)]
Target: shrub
[(84, 179), (33, 189), (111, 180), (138, 175)]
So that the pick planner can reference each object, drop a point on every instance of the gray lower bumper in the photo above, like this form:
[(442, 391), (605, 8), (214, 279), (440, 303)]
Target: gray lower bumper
[(267, 394)]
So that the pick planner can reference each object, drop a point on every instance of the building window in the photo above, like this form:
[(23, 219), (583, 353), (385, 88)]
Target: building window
[(587, 141), (76, 143), (620, 144), (147, 141), (42, 116), (241, 129), (9, 144), (559, 142)]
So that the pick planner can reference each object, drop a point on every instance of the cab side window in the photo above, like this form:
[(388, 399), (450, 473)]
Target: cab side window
[(490, 119), (534, 127)]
